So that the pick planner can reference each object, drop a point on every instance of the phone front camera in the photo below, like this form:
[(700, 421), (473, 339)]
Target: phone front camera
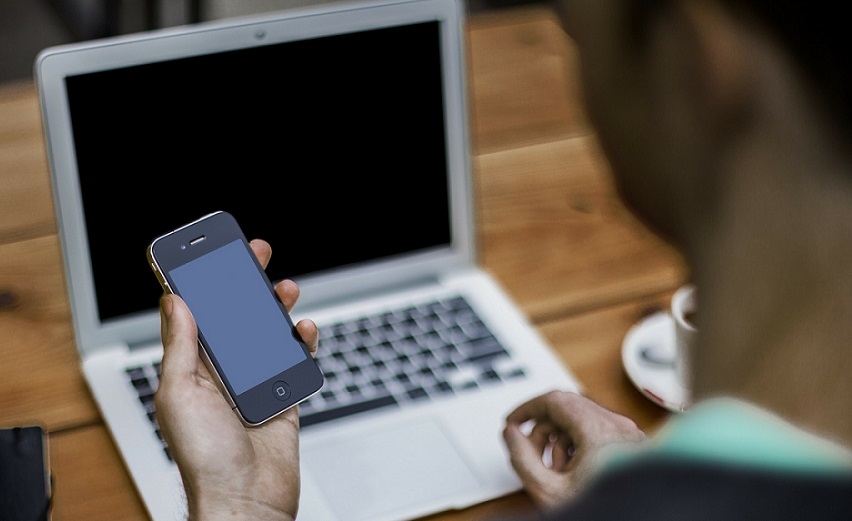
[(183, 246)]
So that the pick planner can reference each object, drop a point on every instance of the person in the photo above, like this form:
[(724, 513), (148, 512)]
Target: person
[(726, 123)]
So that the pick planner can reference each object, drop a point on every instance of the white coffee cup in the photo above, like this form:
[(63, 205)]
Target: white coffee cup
[(684, 307)]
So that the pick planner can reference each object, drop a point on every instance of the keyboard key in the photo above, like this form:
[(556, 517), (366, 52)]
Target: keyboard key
[(417, 394), (347, 410), (482, 349)]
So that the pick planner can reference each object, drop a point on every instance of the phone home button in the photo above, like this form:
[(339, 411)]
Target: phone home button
[(281, 390)]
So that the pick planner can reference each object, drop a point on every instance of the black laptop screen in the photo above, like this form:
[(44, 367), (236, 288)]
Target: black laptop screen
[(331, 149)]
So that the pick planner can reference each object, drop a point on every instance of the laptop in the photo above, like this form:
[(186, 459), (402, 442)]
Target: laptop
[(339, 134)]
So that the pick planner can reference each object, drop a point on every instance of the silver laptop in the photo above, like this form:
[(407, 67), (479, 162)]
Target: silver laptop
[(339, 134)]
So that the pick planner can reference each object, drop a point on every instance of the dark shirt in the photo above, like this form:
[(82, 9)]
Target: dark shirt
[(671, 489)]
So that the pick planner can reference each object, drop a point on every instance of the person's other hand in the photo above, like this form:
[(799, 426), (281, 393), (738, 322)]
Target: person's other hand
[(553, 439), (228, 470)]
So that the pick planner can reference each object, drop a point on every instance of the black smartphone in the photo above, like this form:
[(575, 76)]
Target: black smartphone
[(25, 485), (246, 334)]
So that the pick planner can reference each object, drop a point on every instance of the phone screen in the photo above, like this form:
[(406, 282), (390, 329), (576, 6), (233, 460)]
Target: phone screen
[(239, 318)]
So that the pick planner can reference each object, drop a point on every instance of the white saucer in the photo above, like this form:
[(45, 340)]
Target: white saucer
[(647, 354)]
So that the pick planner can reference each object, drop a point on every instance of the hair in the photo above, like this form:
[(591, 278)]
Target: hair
[(814, 35)]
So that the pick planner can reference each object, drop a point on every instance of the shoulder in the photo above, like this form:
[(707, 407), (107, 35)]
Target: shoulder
[(666, 488)]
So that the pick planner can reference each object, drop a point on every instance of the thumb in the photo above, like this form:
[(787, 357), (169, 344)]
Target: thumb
[(524, 456), (179, 336)]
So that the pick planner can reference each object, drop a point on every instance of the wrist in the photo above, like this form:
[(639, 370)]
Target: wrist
[(214, 506), (234, 509)]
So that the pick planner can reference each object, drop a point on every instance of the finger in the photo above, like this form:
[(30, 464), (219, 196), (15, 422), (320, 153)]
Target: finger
[(288, 292), (534, 409), (522, 413), (524, 456), (545, 434), (573, 414), (307, 329), (262, 250), (540, 436), (179, 336), (561, 451)]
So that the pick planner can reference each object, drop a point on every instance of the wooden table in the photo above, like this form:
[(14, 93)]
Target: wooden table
[(553, 232)]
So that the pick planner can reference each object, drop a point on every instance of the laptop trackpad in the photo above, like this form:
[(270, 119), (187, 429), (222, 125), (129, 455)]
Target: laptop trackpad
[(389, 470)]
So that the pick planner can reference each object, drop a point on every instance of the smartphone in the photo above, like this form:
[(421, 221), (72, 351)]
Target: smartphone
[(247, 337), (25, 483)]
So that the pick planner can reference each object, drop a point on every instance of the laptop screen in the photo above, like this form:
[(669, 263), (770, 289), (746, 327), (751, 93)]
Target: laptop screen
[(333, 149)]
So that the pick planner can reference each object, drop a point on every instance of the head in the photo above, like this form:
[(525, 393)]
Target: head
[(672, 85)]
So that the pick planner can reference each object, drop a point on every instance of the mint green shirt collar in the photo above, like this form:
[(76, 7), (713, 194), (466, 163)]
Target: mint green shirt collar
[(734, 431)]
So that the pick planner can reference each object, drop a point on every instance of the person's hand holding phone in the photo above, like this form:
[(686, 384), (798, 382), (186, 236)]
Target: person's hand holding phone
[(227, 468)]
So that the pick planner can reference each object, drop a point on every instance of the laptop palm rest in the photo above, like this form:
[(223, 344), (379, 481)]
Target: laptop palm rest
[(387, 474)]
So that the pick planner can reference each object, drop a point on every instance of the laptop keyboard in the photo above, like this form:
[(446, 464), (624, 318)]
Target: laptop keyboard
[(418, 353), (145, 379), (424, 352)]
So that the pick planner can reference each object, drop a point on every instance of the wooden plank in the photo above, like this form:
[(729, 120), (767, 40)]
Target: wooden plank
[(26, 208), (515, 506), (522, 85), (41, 376), (90, 480), (554, 232)]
